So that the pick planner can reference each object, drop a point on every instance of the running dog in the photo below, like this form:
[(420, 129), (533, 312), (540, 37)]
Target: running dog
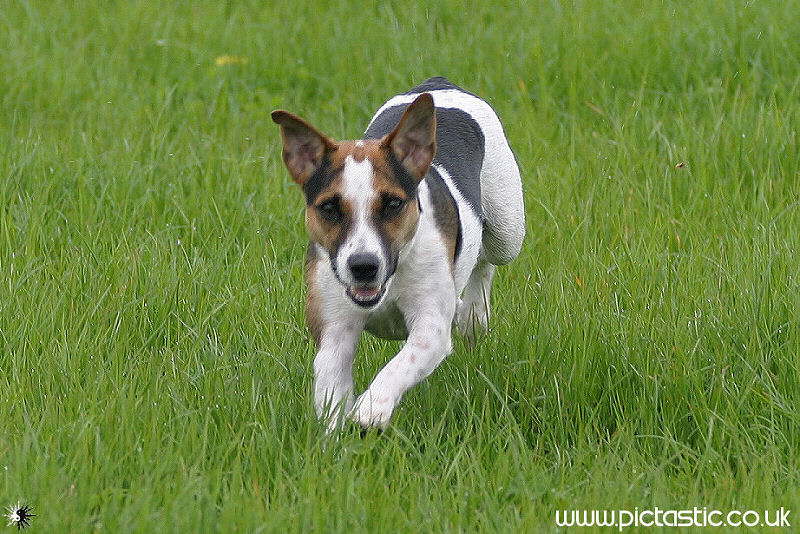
[(406, 227)]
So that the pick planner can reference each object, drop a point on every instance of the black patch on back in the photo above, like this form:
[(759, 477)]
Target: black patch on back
[(445, 209), (437, 83), (459, 147), (321, 179)]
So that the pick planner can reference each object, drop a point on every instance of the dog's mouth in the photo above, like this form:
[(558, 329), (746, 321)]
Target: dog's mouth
[(365, 296)]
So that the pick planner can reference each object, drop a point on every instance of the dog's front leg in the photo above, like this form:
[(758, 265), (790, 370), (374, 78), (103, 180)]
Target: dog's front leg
[(333, 371), (427, 345)]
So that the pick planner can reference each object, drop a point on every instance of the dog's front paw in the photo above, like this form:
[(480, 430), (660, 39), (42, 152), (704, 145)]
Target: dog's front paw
[(373, 410)]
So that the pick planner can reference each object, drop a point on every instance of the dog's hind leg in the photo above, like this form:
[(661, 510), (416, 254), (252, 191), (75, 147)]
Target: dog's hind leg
[(501, 201), (472, 316)]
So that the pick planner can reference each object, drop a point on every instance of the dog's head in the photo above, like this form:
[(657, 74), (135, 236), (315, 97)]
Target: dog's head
[(361, 196)]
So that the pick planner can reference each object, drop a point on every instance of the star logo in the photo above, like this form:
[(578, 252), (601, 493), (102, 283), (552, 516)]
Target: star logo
[(19, 515)]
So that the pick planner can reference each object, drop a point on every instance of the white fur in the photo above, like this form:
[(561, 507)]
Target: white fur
[(357, 189), (471, 233)]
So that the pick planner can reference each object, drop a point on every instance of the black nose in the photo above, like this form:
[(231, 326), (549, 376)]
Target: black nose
[(363, 266)]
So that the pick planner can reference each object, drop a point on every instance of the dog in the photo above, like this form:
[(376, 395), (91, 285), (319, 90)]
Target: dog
[(406, 227)]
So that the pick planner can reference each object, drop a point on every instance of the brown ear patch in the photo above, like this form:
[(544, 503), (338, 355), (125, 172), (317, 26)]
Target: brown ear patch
[(304, 147), (359, 150)]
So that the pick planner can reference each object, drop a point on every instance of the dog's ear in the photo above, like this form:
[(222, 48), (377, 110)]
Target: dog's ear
[(413, 141), (304, 147)]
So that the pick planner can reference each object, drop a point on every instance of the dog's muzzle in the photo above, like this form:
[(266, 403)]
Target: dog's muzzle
[(364, 268)]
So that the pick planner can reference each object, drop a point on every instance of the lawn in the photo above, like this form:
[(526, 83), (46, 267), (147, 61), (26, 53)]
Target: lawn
[(154, 363)]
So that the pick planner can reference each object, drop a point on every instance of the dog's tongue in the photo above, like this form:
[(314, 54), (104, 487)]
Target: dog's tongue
[(365, 293)]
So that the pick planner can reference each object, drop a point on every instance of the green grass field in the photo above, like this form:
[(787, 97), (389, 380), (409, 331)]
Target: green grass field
[(154, 363)]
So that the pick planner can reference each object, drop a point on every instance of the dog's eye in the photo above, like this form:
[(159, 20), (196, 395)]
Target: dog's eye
[(330, 210), (392, 206)]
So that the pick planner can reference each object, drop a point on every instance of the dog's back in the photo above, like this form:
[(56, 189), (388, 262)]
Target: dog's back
[(473, 150)]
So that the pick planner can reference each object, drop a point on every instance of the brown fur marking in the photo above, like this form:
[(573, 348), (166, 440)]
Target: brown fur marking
[(399, 229), (445, 214), (313, 313)]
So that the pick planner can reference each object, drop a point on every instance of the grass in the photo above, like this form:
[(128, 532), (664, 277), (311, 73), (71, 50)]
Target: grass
[(154, 365)]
